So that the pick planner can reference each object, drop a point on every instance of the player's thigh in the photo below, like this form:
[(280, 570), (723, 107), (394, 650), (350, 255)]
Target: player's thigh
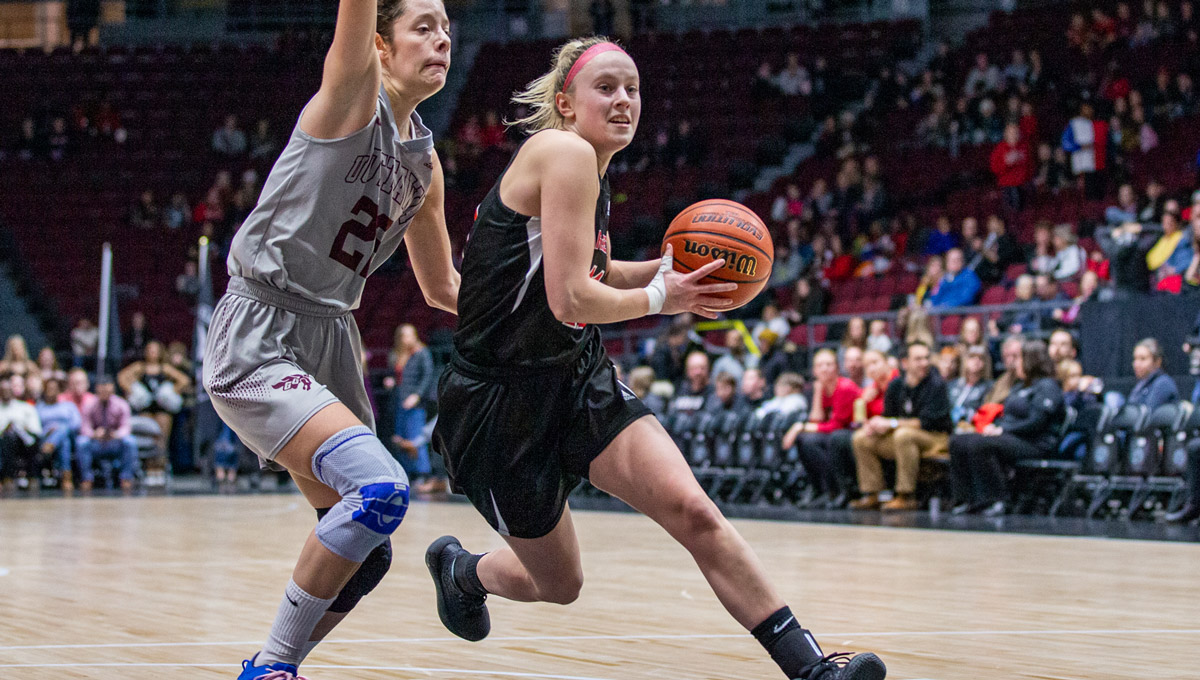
[(643, 467), (316, 493), (296, 455)]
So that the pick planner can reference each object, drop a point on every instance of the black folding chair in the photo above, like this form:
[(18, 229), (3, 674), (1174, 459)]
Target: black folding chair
[(1038, 481), (1146, 459), (1102, 464)]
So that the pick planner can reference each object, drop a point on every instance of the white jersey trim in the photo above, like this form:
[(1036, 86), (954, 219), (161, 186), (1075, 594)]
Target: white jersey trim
[(533, 239)]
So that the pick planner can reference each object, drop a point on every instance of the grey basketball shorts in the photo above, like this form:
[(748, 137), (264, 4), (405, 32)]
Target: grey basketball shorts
[(273, 359)]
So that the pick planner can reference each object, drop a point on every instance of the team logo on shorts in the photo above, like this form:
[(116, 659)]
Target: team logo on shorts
[(294, 382)]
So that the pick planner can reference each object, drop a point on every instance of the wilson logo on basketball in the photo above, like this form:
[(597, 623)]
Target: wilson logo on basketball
[(294, 382), (741, 263), (732, 220)]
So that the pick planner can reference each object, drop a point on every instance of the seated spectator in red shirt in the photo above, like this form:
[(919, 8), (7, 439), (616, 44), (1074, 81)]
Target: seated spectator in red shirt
[(1099, 265), (880, 374), (1104, 27), (1028, 123), (493, 131), (470, 137), (830, 416), (787, 205), (1012, 165), (841, 264), (211, 209)]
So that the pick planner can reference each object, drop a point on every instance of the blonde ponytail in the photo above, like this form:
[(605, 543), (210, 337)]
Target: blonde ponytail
[(539, 95)]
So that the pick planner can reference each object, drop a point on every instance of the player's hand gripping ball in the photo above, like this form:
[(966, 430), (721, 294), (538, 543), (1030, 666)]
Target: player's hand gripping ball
[(715, 229)]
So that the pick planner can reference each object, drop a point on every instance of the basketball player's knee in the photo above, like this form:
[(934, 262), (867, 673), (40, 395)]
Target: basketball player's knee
[(374, 491), (562, 589), (699, 516)]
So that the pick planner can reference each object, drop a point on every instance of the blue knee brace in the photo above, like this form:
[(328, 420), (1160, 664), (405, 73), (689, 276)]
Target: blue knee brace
[(374, 491)]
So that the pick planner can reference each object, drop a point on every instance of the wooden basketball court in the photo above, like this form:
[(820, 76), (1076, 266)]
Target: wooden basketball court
[(186, 587)]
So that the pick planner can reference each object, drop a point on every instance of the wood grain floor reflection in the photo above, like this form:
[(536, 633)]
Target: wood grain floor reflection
[(140, 588)]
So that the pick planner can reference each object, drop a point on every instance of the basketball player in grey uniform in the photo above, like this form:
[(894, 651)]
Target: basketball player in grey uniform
[(284, 360)]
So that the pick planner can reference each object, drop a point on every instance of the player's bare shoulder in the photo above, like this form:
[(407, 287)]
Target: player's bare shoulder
[(551, 149)]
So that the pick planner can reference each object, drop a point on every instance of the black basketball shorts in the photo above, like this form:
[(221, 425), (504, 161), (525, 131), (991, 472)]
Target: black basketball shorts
[(517, 446)]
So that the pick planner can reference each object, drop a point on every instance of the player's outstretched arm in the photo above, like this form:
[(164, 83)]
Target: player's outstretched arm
[(429, 247), (350, 82)]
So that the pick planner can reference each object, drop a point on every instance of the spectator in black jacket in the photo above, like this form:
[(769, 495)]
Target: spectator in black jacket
[(1027, 428), (1154, 387), (671, 350), (997, 251), (694, 390), (1126, 247), (136, 337)]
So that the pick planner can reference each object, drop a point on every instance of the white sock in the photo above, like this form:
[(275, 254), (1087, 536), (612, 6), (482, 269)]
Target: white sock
[(294, 623)]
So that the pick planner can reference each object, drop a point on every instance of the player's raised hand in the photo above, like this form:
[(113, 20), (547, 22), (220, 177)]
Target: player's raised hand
[(686, 293)]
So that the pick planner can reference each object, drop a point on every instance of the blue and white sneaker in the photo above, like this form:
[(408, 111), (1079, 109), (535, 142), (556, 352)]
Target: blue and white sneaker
[(271, 671)]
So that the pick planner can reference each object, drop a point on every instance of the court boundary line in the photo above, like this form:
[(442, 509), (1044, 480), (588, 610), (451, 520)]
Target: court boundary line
[(553, 638), (413, 669)]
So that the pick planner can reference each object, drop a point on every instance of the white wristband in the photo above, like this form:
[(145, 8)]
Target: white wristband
[(656, 290)]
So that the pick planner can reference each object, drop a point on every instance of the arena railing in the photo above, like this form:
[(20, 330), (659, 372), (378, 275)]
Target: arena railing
[(632, 339)]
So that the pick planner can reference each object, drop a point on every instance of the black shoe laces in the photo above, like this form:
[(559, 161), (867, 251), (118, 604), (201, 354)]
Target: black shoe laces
[(826, 664)]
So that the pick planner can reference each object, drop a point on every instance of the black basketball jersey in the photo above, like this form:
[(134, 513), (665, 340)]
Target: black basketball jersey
[(505, 324)]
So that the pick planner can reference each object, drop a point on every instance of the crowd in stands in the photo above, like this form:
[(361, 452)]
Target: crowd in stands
[(878, 398), (1080, 127), (1036, 130), (59, 420), (60, 424)]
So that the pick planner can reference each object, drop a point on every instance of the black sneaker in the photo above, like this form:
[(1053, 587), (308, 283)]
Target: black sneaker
[(844, 666), (462, 613)]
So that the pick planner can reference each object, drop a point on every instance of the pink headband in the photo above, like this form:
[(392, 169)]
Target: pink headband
[(588, 55)]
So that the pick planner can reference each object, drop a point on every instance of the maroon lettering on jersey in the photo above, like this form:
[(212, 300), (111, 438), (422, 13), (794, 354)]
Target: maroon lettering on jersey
[(294, 382)]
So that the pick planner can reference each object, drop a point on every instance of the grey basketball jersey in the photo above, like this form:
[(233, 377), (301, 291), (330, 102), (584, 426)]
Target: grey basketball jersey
[(333, 210)]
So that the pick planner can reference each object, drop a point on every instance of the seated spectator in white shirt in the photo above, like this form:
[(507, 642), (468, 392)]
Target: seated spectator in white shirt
[(20, 430), (1069, 257), (789, 396)]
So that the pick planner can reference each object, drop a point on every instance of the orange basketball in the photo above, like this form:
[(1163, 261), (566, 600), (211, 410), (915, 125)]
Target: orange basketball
[(716, 229)]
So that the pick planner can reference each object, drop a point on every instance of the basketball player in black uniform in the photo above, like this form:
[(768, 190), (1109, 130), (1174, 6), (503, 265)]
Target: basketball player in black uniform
[(531, 403)]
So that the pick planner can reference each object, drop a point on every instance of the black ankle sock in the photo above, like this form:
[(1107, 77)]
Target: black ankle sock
[(465, 575), (790, 646)]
